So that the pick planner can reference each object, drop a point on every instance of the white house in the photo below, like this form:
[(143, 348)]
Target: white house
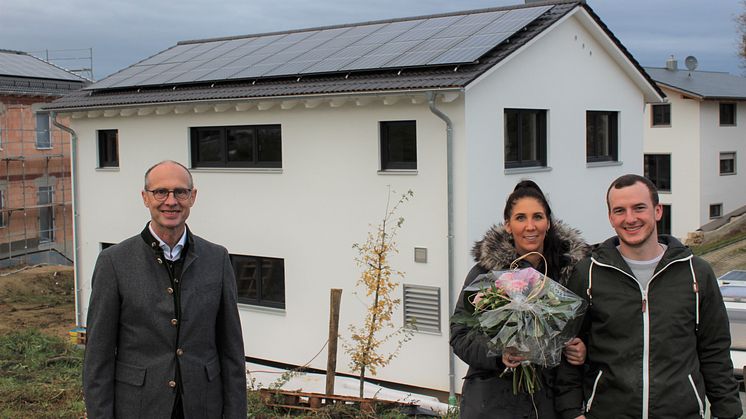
[(693, 143), (294, 136)]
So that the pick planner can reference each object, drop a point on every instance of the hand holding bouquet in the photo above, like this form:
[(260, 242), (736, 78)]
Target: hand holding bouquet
[(526, 313)]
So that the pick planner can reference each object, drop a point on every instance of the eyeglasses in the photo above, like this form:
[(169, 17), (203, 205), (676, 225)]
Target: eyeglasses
[(161, 194)]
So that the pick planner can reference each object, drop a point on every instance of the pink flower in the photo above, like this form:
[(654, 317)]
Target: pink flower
[(518, 281)]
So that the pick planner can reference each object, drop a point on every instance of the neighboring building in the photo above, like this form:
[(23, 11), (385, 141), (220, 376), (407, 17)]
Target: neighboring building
[(35, 186), (294, 136), (693, 144)]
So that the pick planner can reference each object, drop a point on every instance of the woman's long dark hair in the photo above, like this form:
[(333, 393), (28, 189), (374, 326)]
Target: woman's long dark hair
[(553, 247)]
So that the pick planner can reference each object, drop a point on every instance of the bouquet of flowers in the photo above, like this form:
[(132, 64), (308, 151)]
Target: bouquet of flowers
[(525, 311)]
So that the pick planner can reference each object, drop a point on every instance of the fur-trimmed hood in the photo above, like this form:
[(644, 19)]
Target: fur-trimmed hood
[(496, 249)]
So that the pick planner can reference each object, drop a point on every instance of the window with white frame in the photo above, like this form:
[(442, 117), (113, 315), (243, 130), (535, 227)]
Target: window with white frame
[(716, 210), (108, 148), (252, 146), (260, 280), (525, 138), (658, 169), (728, 163), (398, 144), (601, 136), (664, 224), (43, 134), (661, 115), (727, 114)]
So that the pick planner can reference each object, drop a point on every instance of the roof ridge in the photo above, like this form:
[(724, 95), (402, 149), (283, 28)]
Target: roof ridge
[(382, 21)]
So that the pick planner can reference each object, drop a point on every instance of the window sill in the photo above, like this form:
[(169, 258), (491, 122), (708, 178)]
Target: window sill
[(44, 148), (603, 164), (661, 126), (522, 170), (728, 174), (398, 172), (107, 169), (269, 170), (262, 309)]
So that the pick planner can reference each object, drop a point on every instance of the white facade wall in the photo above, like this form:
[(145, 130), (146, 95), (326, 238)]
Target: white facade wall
[(695, 140), (325, 198), (567, 73), (729, 190), (681, 140), (329, 191)]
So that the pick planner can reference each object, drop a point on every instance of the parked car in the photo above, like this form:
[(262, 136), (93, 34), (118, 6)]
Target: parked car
[(733, 288)]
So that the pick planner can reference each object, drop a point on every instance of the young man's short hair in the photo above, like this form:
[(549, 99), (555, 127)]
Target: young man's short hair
[(629, 180)]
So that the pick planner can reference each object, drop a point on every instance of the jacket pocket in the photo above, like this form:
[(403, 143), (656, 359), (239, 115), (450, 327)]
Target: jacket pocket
[(698, 397), (129, 386), (589, 404), (212, 369), (130, 374)]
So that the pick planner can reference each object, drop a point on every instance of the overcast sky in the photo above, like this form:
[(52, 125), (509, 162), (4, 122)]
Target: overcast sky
[(123, 32)]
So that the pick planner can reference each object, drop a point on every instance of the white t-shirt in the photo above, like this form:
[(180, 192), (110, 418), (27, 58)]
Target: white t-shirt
[(644, 269)]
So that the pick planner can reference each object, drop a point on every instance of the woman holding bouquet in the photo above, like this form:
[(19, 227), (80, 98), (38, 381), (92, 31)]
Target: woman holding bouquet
[(528, 227)]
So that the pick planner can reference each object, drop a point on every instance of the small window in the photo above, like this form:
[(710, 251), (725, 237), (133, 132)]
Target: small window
[(3, 215), (658, 170), (108, 148), (661, 115), (601, 136), (43, 136), (260, 280), (45, 200), (728, 114), (728, 163), (525, 138), (716, 210), (664, 224), (421, 308), (398, 145), (237, 146)]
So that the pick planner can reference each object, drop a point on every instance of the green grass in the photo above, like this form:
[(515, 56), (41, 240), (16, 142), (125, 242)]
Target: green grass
[(39, 376)]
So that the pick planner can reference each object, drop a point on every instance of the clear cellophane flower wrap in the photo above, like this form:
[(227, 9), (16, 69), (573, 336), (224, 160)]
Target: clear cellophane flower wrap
[(526, 311)]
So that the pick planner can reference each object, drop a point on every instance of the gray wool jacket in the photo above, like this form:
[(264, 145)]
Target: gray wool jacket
[(134, 347)]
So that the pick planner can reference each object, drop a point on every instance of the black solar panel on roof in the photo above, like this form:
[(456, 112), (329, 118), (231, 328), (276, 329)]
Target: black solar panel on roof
[(440, 40), (23, 65)]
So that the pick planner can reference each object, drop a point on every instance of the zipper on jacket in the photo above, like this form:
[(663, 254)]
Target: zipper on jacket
[(593, 393), (699, 399)]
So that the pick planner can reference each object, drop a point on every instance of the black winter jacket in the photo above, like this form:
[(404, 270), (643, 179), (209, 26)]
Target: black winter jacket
[(651, 353), (485, 394)]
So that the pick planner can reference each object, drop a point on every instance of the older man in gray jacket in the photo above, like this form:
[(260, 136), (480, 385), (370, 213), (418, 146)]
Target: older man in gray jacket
[(164, 335)]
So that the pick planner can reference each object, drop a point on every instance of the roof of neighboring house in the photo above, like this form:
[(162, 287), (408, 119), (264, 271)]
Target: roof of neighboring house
[(725, 219), (24, 74), (435, 52), (701, 84)]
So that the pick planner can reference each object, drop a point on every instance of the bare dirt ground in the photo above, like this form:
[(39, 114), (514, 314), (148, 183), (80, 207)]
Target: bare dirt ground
[(728, 258), (41, 297)]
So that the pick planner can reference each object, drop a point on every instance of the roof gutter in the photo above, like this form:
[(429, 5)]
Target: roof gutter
[(449, 164), (74, 177), (404, 92)]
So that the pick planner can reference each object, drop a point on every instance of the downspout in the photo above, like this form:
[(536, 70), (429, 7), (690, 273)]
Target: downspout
[(449, 164), (74, 187)]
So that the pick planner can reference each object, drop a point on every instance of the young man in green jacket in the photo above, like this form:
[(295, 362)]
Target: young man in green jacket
[(656, 328)]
